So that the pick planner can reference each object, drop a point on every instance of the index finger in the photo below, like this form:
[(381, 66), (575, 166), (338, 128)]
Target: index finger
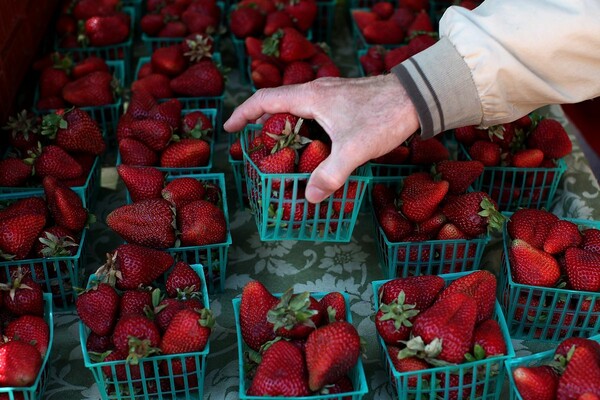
[(293, 99)]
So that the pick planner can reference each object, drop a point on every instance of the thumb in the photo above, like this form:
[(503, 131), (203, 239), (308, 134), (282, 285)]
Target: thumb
[(329, 176)]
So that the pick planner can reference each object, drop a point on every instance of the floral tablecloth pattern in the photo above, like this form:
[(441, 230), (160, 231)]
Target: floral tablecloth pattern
[(308, 266)]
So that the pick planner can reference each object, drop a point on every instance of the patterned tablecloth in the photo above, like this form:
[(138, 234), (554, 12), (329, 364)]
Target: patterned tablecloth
[(307, 266)]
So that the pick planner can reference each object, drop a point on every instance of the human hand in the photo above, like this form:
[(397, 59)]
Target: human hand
[(364, 117)]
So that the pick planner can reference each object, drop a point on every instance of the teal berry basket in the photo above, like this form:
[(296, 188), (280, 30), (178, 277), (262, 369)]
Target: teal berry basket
[(158, 379), (35, 391), (533, 360), (211, 113), (356, 375), (431, 257), (485, 376), (212, 256), (239, 175), (194, 103), (106, 116), (513, 188), (359, 40), (322, 28), (59, 276), (547, 314), (332, 220), (116, 52)]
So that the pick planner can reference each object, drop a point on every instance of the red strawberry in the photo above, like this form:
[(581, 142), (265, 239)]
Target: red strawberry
[(98, 344), (26, 205), (266, 75), (383, 9), (148, 223), (181, 191), (66, 207), (295, 316), (282, 372), (151, 24), (54, 161), (126, 370), (31, 329), (467, 135), (14, 172), (403, 17), (202, 79), (536, 383), (201, 223), (581, 376), (582, 267), (280, 162), (75, 131), (452, 320), (246, 21), (395, 57), (135, 302), (256, 301), (527, 158), (155, 134), (303, 12), (164, 312), (297, 72), (158, 85), (459, 174), (409, 364), (433, 225), (486, 152), (279, 127), (414, 5), (106, 31), (186, 153), (481, 286), (18, 235), (394, 320), (331, 352), (89, 65), (429, 151), (566, 345), (134, 152), (372, 65), (173, 29), (52, 81), (98, 308), (421, 198), (419, 290), (383, 32), (421, 23), (235, 150), (295, 207), (416, 251), (188, 332), (550, 137), (196, 124), (382, 196), (394, 225), (168, 60), (488, 336), (531, 226), (591, 240), (344, 385), (328, 70), (24, 129), (561, 236), (141, 104), (136, 336), (473, 213), (20, 364), (288, 45), (346, 201), (181, 279), (56, 241), (142, 182), (530, 266), (92, 90), (362, 18), (275, 21), (334, 305)]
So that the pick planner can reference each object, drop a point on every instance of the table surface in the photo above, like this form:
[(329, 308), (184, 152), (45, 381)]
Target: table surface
[(308, 266)]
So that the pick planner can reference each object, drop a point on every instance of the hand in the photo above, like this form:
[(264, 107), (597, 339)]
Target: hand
[(364, 117)]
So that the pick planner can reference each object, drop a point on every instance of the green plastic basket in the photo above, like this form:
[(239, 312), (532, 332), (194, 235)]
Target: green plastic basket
[(116, 52), (487, 374), (239, 176), (268, 203), (106, 116), (212, 115), (547, 314), (213, 256), (431, 257), (158, 385), (357, 374), (323, 25), (543, 358), (58, 276), (513, 188), (136, 6), (194, 103), (35, 391), (359, 39)]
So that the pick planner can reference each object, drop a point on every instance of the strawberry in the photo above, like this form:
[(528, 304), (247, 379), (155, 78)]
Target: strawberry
[(280, 162), (481, 286), (181, 191), (164, 312), (98, 308), (403, 17), (295, 207), (266, 75), (566, 345), (451, 320), (148, 223), (136, 336), (173, 29), (561, 236), (24, 129), (288, 45), (196, 124), (98, 344), (346, 201), (531, 226), (74, 131), (92, 90), (394, 225), (488, 336), (88, 65), (142, 182), (18, 234), (275, 21), (395, 56), (466, 135), (66, 207), (459, 174), (135, 302), (487, 153), (383, 9), (473, 213), (328, 70), (344, 385), (56, 241), (551, 138), (372, 65), (168, 111), (530, 266), (421, 23), (175, 367), (203, 79), (279, 127), (420, 198), (425, 152), (25, 205), (106, 31), (408, 364), (581, 376), (126, 370), (331, 352), (297, 72), (158, 85), (295, 316), (201, 223), (14, 172), (235, 150), (536, 383), (382, 196), (334, 305), (591, 240), (23, 297), (54, 161), (417, 252), (303, 13), (414, 5), (134, 152), (256, 301), (527, 158), (188, 332), (383, 32), (433, 225), (52, 81), (168, 60), (246, 21), (419, 290), (181, 279), (141, 104), (197, 47), (582, 269), (155, 134), (20, 363), (186, 153), (362, 18), (394, 320), (30, 329), (282, 372)]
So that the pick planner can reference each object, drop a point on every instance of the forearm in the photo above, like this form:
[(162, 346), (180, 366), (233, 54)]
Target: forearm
[(503, 60)]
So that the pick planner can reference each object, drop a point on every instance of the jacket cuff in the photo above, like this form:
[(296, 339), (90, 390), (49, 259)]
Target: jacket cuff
[(441, 87)]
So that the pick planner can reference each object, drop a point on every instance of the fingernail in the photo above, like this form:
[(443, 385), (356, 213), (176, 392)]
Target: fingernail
[(314, 194)]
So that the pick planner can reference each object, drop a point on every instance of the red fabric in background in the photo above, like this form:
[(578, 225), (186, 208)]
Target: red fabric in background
[(586, 118)]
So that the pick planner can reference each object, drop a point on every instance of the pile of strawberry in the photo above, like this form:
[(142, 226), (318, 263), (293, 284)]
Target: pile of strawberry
[(34, 227), (436, 208), (182, 70), (130, 319), (259, 18), (287, 57), (63, 82), (425, 324), (184, 212), (63, 145), (384, 24), (177, 18), (574, 373), (92, 23), (305, 346), (378, 60), (416, 151), (157, 134), (25, 331)]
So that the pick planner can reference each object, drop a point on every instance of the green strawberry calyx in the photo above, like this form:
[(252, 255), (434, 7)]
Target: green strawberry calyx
[(495, 219), (22, 123), (139, 349), (200, 47), (55, 246), (292, 311), (399, 312), (270, 45), (109, 272), (478, 354), (416, 347), (51, 123)]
